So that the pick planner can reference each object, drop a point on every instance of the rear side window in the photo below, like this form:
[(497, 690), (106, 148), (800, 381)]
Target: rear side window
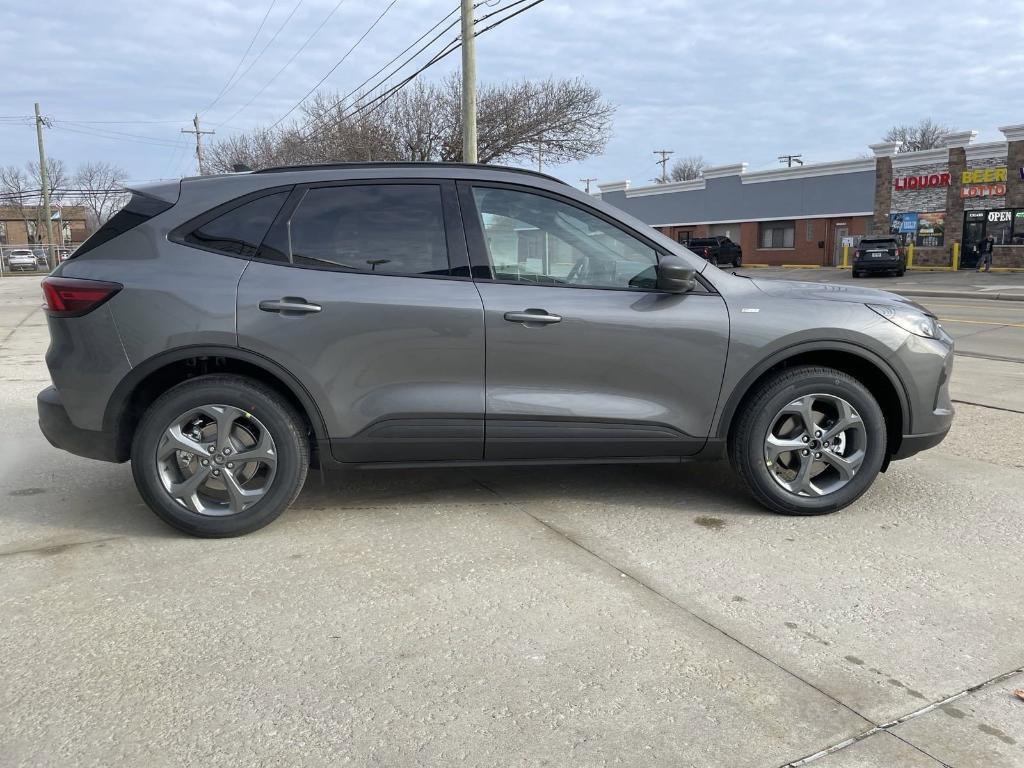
[(389, 228), (138, 210), (240, 231)]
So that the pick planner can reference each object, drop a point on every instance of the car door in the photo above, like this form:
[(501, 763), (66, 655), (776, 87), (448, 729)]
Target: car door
[(586, 359), (362, 291)]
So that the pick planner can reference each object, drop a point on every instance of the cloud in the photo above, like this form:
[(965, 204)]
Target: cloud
[(736, 80)]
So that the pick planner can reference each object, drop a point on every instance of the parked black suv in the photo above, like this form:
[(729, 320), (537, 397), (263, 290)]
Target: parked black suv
[(879, 254), (718, 250)]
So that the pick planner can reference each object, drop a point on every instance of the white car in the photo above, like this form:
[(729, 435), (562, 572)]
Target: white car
[(21, 259)]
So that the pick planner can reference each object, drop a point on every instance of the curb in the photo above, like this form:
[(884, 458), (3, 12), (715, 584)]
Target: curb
[(957, 294)]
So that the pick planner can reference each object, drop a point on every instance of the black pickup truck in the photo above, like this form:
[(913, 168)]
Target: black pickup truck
[(718, 250)]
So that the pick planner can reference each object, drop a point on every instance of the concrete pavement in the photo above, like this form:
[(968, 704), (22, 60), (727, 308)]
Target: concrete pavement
[(563, 616)]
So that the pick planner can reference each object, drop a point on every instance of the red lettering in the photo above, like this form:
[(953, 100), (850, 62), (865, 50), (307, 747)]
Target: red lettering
[(912, 182), (933, 180), (1000, 190), (944, 179)]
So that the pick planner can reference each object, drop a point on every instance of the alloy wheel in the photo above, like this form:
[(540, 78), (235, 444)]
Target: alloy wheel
[(815, 445), (216, 460)]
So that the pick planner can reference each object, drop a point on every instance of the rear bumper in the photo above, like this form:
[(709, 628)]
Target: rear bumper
[(912, 444), (878, 265), (58, 429)]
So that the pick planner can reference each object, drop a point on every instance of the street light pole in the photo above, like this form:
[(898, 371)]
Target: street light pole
[(468, 84)]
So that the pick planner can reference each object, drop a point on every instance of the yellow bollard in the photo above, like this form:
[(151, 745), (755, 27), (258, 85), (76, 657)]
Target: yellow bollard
[(846, 256), (910, 256), (956, 256)]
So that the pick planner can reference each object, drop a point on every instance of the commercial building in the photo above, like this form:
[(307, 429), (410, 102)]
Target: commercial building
[(26, 225), (944, 201)]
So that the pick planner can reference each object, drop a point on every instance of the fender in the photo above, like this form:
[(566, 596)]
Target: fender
[(120, 397), (743, 386)]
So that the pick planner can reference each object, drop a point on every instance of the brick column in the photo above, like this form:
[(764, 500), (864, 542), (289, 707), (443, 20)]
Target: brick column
[(1014, 162), (954, 202), (883, 186)]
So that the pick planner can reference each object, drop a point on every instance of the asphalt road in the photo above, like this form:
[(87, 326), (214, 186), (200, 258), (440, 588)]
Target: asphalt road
[(635, 616)]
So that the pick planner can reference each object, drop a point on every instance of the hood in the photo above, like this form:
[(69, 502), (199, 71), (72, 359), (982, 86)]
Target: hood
[(792, 289)]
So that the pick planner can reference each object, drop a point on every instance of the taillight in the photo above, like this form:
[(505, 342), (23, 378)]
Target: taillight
[(73, 297)]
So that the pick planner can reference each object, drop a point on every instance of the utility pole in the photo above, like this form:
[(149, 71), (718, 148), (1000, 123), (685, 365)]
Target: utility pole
[(664, 162), (790, 159), (199, 145), (468, 84), (44, 182), (587, 182)]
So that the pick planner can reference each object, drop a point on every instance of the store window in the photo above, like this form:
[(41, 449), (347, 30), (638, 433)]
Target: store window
[(999, 225), (931, 229), (3, 232), (776, 234), (809, 232), (1018, 227)]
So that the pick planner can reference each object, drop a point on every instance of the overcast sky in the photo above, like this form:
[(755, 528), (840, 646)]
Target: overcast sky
[(729, 80)]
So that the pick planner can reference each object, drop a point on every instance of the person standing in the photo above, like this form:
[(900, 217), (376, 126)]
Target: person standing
[(985, 253)]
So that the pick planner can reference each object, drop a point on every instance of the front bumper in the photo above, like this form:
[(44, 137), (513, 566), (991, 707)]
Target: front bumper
[(56, 427)]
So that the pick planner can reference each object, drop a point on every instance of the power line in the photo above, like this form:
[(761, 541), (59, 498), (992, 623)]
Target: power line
[(239, 64), (118, 137), (453, 46), (664, 162), (279, 72), (340, 104), (337, 64)]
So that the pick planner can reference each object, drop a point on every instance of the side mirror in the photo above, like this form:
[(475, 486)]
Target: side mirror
[(674, 276)]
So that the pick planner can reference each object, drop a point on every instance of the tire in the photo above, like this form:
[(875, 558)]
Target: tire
[(713, 260), (760, 412), (855, 274), (900, 272), (737, 262), (261, 422)]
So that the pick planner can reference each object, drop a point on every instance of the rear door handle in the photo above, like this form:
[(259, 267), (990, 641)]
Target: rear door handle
[(533, 317), (289, 305)]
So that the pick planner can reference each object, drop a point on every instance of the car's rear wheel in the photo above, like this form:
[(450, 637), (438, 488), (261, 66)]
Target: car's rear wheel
[(737, 262), (809, 441), (219, 456)]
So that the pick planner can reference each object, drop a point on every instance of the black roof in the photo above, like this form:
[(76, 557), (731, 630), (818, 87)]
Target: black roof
[(404, 164)]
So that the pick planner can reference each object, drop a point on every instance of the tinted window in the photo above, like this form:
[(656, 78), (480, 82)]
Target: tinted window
[(535, 239), (138, 210), (394, 228), (240, 230)]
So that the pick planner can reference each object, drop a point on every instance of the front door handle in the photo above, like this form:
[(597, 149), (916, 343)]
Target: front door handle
[(289, 305), (533, 317)]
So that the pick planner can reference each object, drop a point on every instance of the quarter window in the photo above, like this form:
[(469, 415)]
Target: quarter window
[(536, 239), (240, 230), (389, 228), (777, 234)]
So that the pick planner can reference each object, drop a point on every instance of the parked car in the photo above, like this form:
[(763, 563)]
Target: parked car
[(389, 315), (879, 254), (21, 260), (718, 250), (63, 254)]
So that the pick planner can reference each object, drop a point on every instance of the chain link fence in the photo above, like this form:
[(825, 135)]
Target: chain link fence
[(30, 258)]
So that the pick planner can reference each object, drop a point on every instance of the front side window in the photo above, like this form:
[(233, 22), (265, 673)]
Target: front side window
[(240, 230), (389, 228), (535, 239), (777, 234)]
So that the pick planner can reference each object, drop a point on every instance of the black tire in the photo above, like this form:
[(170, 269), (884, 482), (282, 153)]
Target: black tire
[(759, 410), (713, 260), (737, 262), (855, 274), (274, 413)]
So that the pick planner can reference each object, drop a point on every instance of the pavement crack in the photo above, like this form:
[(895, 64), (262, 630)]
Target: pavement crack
[(11, 332), (654, 590), (886, 727), (990, 407)]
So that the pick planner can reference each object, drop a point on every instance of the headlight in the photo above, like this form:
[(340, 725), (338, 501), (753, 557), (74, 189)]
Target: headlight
[(909, 319)]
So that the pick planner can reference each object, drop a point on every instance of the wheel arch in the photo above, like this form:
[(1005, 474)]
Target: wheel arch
[(863, 364), (149, 379)]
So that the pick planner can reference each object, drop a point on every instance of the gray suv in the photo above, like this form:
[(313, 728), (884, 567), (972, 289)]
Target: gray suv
[(226, 333)]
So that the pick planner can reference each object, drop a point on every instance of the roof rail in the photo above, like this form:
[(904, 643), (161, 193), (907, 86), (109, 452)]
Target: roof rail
[(403, 164)]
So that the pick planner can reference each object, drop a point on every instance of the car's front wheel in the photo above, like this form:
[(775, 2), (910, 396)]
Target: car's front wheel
[(809, 441), (220, 455)]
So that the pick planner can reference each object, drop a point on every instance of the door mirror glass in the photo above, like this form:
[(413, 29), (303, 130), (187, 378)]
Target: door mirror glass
[(674, 276)]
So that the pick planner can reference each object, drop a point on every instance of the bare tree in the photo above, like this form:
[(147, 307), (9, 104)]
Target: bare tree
[(567, 119), (57, 177), (687, 168), (17, 193), (927, 134), (101, 191)]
